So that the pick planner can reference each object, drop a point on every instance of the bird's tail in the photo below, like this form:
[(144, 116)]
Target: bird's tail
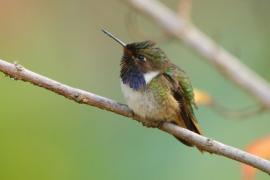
[(188, 121)]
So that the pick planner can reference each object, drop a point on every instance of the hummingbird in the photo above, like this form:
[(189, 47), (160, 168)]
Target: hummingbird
[(154, 88)]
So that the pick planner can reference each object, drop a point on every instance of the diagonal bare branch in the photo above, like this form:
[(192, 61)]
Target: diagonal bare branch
[(184, 9), (18, 72), (225, 62)]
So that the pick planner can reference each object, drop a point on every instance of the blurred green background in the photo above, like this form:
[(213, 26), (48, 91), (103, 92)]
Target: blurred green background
[(45, 136)]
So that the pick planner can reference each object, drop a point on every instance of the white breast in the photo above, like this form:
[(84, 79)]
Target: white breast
[(141, 102), (149, 76)]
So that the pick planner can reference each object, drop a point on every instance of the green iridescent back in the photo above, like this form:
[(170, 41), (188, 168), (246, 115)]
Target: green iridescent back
[(184, 81)]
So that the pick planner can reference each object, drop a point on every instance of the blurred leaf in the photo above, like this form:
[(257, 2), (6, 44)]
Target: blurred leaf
[(259, 147), (202, 97)]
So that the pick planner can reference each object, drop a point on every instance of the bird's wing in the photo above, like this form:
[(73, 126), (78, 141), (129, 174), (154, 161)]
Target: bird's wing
[(182, 80), (183, 93)]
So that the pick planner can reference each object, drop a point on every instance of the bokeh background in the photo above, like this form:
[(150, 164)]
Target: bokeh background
[(45, 136)]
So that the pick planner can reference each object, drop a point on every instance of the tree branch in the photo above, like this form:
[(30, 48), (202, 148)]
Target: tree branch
[(229, 65), (18, 72), (184, 9)]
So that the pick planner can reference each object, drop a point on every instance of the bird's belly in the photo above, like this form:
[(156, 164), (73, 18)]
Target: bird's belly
[(142, 103)]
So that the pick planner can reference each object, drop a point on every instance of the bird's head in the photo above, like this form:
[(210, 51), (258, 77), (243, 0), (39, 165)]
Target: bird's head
[(140, 58), (145, 55)]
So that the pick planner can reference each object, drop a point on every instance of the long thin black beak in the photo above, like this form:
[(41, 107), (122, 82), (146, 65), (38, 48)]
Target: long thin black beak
[(114, 37)]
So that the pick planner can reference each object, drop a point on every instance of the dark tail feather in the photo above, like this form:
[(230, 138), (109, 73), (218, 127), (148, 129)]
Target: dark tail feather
[(184, 142), (191, 124), (188, 144)]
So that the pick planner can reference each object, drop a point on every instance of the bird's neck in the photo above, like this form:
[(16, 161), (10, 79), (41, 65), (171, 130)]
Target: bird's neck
[(136, 79), (132, 77)]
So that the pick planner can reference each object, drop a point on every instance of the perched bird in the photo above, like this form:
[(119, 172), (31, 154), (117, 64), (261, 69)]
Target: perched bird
[(154, 88)]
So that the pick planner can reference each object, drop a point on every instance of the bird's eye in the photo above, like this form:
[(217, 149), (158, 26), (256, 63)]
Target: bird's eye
[(141, 58)]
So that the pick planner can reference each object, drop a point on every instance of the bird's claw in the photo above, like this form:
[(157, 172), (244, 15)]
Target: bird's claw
[(153, 124)]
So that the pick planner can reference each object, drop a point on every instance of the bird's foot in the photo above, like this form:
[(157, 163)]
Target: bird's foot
[(153, 124), (148, 122)]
